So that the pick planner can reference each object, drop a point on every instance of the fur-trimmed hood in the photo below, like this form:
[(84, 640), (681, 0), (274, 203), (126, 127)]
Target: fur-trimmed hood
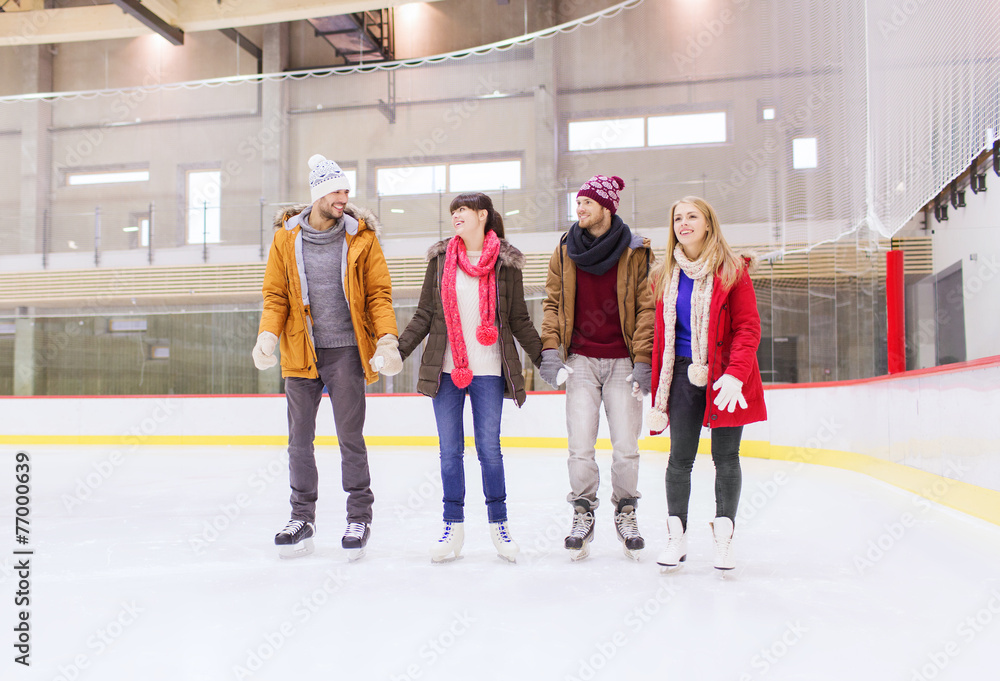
[(751, 258), (508, 256), (361, 215)]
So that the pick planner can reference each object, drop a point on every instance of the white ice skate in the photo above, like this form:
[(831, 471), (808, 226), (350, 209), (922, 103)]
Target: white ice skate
[(627, 528), (582, 532), (355, 539), (676, 551), (722, 530), (449, 546), (506, 547), (295, 540)]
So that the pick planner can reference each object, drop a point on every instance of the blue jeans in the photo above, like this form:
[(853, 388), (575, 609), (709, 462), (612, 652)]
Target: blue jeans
[(486, 395)]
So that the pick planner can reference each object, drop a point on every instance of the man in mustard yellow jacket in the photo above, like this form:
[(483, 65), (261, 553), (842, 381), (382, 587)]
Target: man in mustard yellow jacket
[(328, 297)]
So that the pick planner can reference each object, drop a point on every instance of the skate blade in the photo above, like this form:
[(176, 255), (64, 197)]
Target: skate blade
[(290, 551), (354, 555), (664, 568), (579, 554), (447, 559), (632, 554), (507, 559)]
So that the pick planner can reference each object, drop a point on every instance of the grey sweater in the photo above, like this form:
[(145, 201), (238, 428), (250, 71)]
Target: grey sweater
[(322, 253)]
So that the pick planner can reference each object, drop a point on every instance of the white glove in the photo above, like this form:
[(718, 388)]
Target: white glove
[(730, 393), (263, 351), (386, 358)]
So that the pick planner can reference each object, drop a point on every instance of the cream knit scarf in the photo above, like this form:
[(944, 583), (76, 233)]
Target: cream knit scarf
[(701, 272)]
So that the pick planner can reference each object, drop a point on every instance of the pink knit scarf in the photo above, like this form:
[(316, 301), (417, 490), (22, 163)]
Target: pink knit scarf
[(486, 334)]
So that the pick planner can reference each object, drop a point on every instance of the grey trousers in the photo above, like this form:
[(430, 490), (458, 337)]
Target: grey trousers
[(340, 371), (592, 382)]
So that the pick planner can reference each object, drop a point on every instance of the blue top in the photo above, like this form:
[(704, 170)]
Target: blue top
[(683, 326)]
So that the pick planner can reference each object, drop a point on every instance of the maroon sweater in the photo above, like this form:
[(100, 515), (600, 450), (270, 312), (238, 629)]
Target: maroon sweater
[(597, 326)]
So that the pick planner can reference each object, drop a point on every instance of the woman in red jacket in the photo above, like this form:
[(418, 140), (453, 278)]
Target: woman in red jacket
[(705, 369)]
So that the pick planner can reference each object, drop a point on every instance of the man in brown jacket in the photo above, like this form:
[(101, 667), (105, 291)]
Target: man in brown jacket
[(599, 309), (328, 297)]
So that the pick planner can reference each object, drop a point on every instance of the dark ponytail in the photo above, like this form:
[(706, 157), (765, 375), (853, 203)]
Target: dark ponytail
[(478, 201)]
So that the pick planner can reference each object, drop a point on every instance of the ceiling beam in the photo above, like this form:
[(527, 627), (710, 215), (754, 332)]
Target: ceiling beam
[(147, 18), (107, 22)]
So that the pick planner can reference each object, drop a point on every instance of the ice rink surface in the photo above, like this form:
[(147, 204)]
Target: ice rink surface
[(158, 563)]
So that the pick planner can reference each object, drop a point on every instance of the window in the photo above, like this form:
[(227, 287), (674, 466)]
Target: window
[(410, 180), (612, 133), (571, 206), (804, 153), (74, 179), (700, 128), (484, 177), (452, 177), (352, 177), (204, 205)]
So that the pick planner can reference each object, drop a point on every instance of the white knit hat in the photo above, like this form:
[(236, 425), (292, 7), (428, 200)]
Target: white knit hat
[(325, 176)]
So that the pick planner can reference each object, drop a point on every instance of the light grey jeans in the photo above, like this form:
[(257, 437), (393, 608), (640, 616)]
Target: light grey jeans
[(592, 382)]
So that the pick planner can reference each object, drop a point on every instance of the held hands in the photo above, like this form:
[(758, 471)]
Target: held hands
[(386, 358), (263, 351), (642, 379), (553, 371), (730, 393)]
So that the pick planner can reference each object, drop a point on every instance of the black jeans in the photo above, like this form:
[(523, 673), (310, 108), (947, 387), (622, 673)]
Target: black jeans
[(340, 371), (687, 411)]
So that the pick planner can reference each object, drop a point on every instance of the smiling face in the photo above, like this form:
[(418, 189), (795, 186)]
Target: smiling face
[(331, 207), (469, 224), (590, 213), (690, 228)]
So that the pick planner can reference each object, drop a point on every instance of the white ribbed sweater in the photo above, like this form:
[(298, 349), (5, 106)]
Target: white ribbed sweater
[(483, 361)]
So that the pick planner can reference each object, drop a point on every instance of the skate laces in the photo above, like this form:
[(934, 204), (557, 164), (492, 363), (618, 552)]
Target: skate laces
[(581, 524), (502, 531), (292, 527), (356, 530), (627, 524), (449, 529)]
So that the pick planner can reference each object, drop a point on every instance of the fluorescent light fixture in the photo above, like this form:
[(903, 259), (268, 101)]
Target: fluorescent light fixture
[(159, 352), (130, 229), (126, 325), (512, 212), (75, 179), (397, 210), (768, 113)]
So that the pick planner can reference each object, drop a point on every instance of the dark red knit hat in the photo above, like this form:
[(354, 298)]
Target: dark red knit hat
[(604, 190)]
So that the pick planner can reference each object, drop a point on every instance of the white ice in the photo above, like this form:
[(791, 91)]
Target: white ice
[(159, 564)]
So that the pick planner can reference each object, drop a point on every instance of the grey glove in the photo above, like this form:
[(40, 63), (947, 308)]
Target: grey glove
[(551, 364), (642, 373)]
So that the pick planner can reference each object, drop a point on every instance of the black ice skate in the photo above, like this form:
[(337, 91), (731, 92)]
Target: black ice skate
[(354, 540), (628, 528), (582, 532), (295, 540)]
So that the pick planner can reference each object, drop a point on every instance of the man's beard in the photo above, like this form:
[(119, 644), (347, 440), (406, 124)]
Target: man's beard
[(326, 214)]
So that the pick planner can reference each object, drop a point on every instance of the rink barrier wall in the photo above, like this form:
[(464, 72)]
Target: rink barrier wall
[(932, 432)]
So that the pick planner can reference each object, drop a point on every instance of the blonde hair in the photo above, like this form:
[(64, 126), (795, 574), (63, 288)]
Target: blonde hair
[(726, 265)]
